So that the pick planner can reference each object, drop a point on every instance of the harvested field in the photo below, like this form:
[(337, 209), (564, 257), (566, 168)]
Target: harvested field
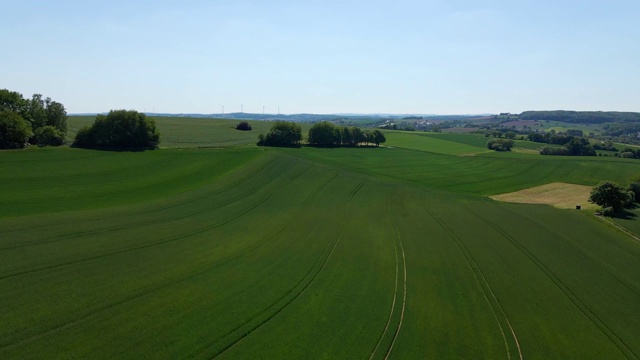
[(560, 195)]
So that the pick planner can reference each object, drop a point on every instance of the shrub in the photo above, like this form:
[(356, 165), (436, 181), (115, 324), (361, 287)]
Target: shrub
[(14, 130), (634, 187), (244, 126), (48, 136), (500, 144), (120, 129)]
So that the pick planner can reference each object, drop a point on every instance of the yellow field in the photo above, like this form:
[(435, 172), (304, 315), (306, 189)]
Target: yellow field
[(560, 195)]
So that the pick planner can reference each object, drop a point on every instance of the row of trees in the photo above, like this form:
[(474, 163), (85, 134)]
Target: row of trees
[(582, 117), (120, 129), (328, 134), (324, 133), (575, 147), (282, 133), (38, 120)]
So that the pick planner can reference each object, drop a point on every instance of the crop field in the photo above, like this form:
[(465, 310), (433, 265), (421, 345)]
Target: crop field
[(246, 252)]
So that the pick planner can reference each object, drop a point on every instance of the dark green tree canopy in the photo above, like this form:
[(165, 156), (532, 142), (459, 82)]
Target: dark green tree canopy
[(120, 129), (282, 133), (14, 130), (326, 133), (39, 113), (244, 126), (610, 195), (500, 144)]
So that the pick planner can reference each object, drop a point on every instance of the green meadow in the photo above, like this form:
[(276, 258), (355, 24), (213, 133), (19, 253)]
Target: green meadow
[(212, 247)]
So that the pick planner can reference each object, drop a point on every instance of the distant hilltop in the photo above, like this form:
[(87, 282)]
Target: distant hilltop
[(300, 117)]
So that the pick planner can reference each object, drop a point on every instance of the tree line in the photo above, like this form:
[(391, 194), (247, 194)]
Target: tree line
[(323, 133), (571, 145), (37, 120), (328, 134), (581, 117)]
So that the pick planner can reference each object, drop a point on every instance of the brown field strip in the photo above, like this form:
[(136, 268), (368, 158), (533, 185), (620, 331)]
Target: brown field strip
[(560, 195)]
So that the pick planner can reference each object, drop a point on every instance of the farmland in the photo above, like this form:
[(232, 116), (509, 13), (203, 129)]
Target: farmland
[(246, 252)]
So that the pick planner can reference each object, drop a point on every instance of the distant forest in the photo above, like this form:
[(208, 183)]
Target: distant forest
[(581, 117)]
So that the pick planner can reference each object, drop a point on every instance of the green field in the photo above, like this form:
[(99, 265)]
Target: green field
[(241, 252)]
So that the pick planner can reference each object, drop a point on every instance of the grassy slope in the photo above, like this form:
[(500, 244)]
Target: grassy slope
[(286, 253)]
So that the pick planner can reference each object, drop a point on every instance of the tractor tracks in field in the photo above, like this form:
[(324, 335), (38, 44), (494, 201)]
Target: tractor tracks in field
[(237, 334), (488, 293), (585, 254), (569, 294), (149, 291), (143, 246), (397, 243)]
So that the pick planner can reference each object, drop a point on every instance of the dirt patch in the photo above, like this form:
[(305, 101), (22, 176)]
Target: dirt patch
[(560, 195)]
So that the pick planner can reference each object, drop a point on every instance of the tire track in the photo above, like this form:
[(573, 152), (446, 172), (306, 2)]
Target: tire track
[(232, 339), (404, 298), (484, 286), (393, 305), (585, 254), (139, 247), (397, 241), (582, 307), (240, 254)]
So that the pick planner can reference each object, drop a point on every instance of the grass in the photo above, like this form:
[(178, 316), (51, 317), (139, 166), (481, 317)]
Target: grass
[(324, 253)]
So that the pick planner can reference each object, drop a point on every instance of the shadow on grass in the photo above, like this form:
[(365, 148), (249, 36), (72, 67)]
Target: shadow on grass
[(114, 149), (626, 214)]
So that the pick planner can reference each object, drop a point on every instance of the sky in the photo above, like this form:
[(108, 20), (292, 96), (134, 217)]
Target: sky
[(324, 57)]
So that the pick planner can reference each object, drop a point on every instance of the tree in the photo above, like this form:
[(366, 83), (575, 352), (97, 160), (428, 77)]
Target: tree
[(635, 188), (36, 112), (244, 126), (119, 129), (282, 133), (325, 133), (12, 101), (39, 113), (500, 144), (358, 135), (609, 195), (56, 116), (378, 137), (14, 130), (347, 136)]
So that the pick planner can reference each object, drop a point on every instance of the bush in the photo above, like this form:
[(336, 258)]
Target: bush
[(120, 129), (608, 211), (634, 187), (14, 130), (48, 136), (244, 126), (500, 144)]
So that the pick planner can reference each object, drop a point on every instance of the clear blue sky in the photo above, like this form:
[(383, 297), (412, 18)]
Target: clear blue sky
[(443, 57)]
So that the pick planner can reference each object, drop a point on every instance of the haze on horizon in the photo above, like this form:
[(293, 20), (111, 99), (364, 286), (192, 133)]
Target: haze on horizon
[(403, 57)]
